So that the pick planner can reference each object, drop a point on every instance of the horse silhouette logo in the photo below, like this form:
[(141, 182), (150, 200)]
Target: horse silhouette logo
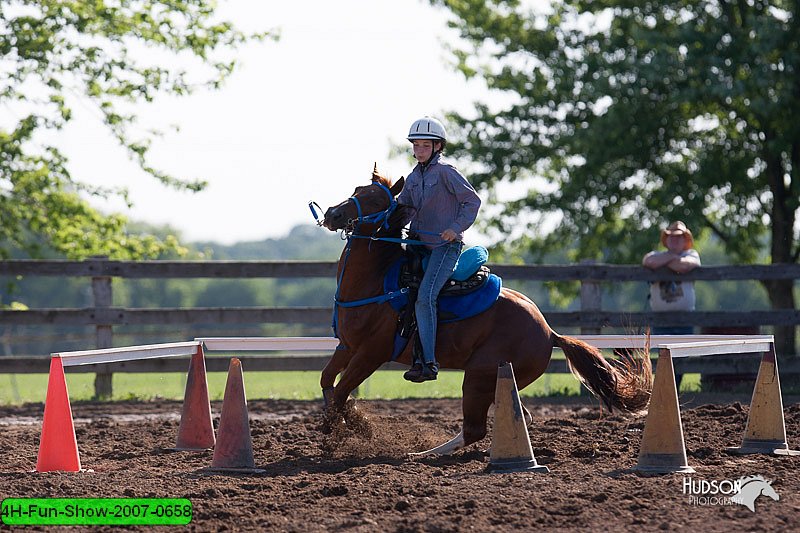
[(751, 487)]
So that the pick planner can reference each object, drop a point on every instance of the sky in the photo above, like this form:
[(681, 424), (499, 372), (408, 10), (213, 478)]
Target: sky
[(304, 118)]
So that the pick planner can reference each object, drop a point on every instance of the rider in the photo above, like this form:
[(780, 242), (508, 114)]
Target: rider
[(444, 205)]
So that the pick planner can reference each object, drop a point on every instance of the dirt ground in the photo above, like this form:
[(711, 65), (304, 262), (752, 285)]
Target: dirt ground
[(369, 484)]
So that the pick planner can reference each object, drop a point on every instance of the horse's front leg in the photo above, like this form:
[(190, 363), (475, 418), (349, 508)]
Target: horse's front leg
[(362, 365), (338, 409), (336, 364), (479, 392)]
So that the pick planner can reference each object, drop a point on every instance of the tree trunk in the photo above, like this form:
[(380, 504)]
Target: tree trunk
[(781, 296), (782, 215)]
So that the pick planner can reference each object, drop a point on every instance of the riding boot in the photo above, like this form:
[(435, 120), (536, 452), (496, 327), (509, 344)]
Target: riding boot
[(421, 370), (429, 371), (415, 372)]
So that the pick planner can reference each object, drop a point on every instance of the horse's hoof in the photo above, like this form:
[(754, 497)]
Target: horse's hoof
[(456, 443)]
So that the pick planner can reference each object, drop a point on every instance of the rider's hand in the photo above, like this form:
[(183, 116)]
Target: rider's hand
[(449, 235)]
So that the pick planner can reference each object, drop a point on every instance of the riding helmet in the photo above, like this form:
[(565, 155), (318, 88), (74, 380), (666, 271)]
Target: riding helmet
[(427, 128)]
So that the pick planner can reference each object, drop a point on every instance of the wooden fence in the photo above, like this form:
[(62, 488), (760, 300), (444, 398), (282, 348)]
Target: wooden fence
[(590, 318)]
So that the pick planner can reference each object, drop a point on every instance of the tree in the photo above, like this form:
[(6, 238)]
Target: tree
[(627, 115), (113, 55)]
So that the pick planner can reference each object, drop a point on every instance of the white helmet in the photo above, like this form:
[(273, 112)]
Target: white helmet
[(427, 128)]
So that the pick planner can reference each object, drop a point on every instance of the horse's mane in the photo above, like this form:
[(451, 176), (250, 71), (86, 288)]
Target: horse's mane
[(380, 178), (398, 218)]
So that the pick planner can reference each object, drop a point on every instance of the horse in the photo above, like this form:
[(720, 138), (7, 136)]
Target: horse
[(513, 330)]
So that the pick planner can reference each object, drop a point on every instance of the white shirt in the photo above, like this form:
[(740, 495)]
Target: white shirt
[(674, 295)]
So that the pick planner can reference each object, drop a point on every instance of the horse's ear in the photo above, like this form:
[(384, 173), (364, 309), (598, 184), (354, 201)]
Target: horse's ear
[(398, 186), (375, 175)]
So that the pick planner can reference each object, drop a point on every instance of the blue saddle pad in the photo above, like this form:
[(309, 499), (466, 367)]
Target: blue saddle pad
[(469, 262), (457, 307)]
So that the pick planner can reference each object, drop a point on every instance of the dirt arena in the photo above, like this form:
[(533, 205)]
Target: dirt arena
[(369, 484)]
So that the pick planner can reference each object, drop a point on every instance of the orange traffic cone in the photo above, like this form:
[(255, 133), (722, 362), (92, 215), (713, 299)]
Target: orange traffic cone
[(511, 446), (196, 431), (58, 447), (662, 449), (234, 449), (766, 429)]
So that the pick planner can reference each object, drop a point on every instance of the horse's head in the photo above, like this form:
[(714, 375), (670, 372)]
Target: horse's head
[(368, 204)]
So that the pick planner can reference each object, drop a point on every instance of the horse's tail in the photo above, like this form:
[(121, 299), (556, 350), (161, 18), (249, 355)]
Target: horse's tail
[(625, 383)]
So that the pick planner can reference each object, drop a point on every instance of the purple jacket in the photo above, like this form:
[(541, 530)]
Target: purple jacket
[(441, 197)]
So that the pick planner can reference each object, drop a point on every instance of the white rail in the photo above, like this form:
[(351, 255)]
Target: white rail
[(127, 353), (266, 344), (662, 341), (678, 345)]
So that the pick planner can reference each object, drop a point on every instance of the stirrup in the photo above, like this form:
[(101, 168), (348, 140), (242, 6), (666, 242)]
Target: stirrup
[(430, 371), (413, 374), (422, 372)]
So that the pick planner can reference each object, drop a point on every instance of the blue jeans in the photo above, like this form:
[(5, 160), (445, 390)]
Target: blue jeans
[(441, 264)]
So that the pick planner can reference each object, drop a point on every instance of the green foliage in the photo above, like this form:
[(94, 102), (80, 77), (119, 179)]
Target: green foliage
[(627, 115), (302, 243), (110, 57)]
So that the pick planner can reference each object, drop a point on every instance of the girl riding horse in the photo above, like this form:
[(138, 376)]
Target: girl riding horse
[(512, 330), (442, 205)]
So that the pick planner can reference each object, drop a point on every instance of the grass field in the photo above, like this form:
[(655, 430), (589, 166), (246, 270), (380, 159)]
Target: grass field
[(25, 388)]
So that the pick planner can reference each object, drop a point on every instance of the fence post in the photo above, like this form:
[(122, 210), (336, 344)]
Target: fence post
[(103, 298), (591, 299)]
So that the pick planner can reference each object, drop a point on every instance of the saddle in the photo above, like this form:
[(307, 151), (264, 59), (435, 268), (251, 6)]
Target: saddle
[(470, 290), (470, 273)]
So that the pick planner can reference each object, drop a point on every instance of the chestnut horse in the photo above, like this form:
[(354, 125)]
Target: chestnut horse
[(512, 330)]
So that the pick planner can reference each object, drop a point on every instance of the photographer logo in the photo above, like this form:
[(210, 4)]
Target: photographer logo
[(742, 491)]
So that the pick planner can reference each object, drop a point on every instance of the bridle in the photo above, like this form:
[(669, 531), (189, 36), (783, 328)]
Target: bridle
[(381, 218)]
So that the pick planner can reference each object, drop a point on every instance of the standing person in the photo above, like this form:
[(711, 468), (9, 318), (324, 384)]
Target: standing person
[(680, 257), (444, 205)]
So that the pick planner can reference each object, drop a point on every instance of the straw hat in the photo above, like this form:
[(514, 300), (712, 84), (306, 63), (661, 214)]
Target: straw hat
[(678, 228)]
